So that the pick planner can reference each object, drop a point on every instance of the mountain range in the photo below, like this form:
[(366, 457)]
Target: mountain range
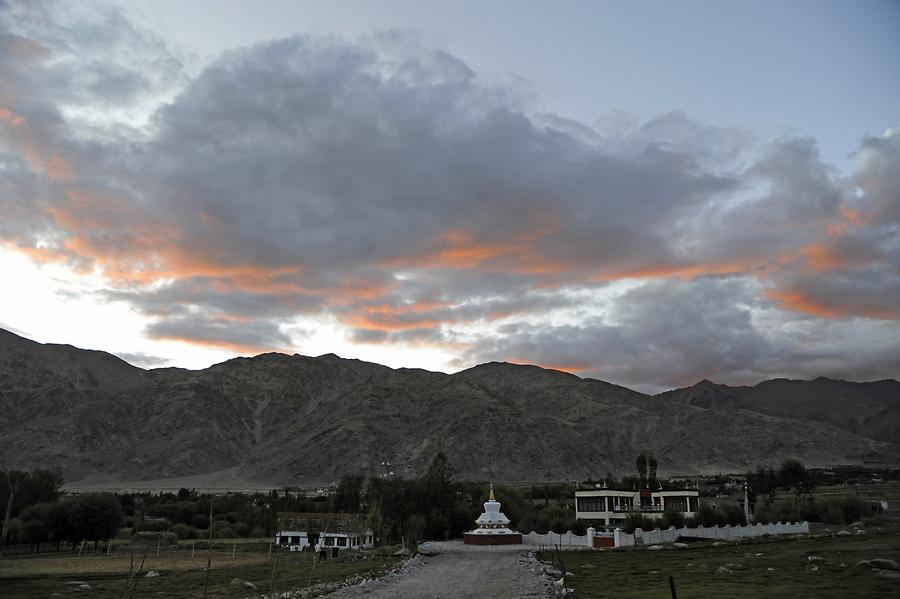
[(284, 419)]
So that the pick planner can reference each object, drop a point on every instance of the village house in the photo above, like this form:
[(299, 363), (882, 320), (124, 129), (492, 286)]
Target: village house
[(299, 531), (609, 507)]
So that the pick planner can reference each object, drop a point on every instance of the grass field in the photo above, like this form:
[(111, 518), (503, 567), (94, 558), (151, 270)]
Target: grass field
[(768, 568), (41, 575)]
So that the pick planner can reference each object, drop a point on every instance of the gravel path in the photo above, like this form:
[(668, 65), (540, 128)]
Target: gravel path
[(459, 572)]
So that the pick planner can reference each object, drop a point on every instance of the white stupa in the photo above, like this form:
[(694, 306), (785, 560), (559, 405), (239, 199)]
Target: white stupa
[(493, 526)]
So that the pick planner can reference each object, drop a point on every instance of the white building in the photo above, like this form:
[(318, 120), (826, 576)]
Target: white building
[(611, 506), (311, 531)]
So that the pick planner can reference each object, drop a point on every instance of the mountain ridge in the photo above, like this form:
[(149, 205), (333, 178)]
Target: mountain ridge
[(296, 419)]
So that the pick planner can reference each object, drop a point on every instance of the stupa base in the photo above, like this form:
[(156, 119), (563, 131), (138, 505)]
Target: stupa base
[(504, 539)]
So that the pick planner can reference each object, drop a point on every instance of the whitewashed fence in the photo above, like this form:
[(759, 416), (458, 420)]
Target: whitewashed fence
[(665, 536)]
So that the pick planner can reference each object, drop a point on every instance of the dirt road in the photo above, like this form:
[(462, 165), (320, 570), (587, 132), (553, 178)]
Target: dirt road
[(460, 572)]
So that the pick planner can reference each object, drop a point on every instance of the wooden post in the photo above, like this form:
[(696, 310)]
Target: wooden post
[(81, 548), (233, 549), (192, 548), (130, 574), (270, 551), (158, 543), (209, 554), (6, 519), (140, 571), (274, 583), (672, 587)]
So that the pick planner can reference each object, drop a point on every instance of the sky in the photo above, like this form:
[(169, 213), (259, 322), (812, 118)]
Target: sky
[(649, 193)]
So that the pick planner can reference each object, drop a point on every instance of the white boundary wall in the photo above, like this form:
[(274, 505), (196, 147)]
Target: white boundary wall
[(566, 539), (727, 532), (666, 536)]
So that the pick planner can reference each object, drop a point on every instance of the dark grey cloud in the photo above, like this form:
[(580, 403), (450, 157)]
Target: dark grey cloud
[(388, 186), (249, 337), (673, 333), (143, 360)]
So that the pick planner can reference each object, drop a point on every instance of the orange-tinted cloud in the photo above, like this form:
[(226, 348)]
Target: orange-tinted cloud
[(241, 349), (797, 300), (8, 116), (460, 249)]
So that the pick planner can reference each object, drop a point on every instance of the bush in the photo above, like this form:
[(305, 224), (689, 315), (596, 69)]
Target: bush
[(183, 531), (153, 525), (221, 530), (672, 518), (637, 520), (200, 521), (579, 528)]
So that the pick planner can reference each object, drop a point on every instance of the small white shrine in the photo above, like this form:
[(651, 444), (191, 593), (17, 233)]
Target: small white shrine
[(493, 526)]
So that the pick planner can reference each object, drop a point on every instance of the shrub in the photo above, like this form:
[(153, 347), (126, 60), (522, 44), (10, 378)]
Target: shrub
[(152, 525), (579, 528), (200, 521), (672, 518), (183, 531)]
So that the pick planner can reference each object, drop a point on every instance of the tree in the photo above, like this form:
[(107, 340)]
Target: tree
[(438, 482), (762, 483), (794, 475), (95, 517), (651, 462), (347, 497), (642, 468)]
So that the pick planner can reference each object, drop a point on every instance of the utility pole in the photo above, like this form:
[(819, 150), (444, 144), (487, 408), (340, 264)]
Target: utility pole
[(9, 504), (746, 502), (209, 553)]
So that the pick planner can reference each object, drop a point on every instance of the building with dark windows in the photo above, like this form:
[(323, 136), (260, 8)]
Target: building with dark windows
[(299, 531), (609, 507)]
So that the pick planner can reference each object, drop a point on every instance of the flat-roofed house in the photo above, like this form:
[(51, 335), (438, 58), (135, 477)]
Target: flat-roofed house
[(609, 507), (298, 531)]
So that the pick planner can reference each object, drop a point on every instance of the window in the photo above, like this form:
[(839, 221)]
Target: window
[(342, 541), (679, 504), (592, 504)]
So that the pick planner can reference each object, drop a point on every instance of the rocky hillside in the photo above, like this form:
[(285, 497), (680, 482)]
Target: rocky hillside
[(296, 419)]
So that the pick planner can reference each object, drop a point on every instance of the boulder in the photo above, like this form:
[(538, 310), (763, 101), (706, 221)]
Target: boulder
[(844, 533), (888, 574), (884, 564), (151, 574), (249, 585), (428, 549), (655, 547)]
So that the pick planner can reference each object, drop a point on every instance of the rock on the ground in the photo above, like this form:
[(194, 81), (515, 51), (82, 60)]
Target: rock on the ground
[(655, 547), (151, 574), (884, 564)]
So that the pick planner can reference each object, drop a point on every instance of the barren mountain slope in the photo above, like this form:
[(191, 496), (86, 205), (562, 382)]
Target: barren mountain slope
[(869, 409), (296, 419)]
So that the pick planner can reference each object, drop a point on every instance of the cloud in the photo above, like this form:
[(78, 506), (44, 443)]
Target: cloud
[(671, 333), (143, 360), (387, 187)]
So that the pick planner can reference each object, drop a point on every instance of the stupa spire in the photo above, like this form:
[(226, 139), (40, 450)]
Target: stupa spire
[(491, 497)]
